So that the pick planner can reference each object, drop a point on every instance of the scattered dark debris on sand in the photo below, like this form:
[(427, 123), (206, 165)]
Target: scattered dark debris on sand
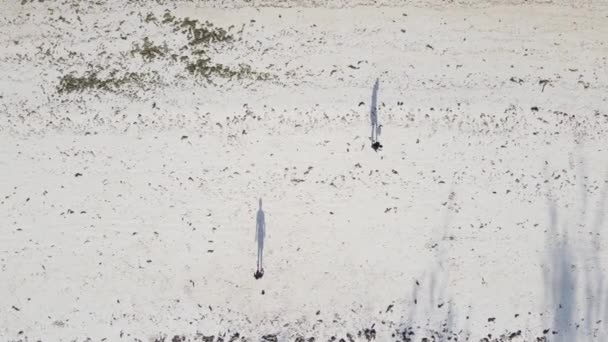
[(370, 334), (404, 333)]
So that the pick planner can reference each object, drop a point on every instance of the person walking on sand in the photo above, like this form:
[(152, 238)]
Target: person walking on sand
[(260, 233), (373, 111), (373, 115)]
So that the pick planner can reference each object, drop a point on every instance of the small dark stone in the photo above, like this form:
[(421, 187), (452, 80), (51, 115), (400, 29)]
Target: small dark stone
[(515, 334), (270, 338), (370, 334), (178, 338)]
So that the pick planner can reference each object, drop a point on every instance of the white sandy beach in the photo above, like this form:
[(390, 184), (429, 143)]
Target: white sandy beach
[(128, 208)]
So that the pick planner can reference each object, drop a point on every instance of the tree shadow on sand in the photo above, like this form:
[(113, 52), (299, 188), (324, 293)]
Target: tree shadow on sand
[(432, 315), (576, 292)]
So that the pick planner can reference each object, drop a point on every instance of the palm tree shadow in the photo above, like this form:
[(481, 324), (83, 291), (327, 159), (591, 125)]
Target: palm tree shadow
[(432, 311), (568, 278), (560, 277)]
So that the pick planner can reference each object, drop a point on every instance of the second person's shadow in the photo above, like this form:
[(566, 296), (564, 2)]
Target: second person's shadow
[(260, 234)]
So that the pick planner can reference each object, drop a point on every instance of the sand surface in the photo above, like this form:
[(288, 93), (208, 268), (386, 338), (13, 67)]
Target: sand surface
[(133, 156)]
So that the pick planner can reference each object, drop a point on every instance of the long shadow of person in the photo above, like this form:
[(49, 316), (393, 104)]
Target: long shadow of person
[(260, 233), (373, 115)]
